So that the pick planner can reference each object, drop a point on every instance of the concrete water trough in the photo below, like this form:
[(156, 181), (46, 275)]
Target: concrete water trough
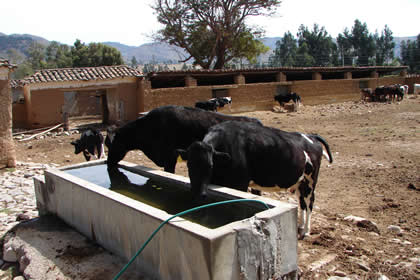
[(119, 209)]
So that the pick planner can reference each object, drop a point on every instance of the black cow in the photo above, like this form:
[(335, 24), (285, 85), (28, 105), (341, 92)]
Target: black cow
[(234, 153), (163, 130), (286, 97), (90, 143)]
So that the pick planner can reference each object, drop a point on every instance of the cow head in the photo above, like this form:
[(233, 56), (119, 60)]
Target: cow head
[(110, 134), (78, 147), (200, 159), (116, 148)]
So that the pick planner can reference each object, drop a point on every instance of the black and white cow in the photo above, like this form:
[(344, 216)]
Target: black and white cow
[(163, 130), (214, 103), (286, 97), (91, 142), (234, 153), (224, 101), (209, 105)]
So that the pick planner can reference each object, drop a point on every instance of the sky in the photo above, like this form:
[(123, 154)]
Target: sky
[(131, 22)]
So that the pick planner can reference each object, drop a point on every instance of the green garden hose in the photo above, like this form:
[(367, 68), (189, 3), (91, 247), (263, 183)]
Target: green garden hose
[(177, 215)]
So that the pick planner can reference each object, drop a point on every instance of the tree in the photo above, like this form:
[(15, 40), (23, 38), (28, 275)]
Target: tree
[(79, 54), (36, 56), (363, 43), (14, 56), (134, 62), (58, 55), (345, 48), (303, 58), (410, 54), (384, 47), (285, 52), (212, 32), (318, 45), (95, 54)]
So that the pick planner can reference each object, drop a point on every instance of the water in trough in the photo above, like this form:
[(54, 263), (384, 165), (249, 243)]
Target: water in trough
[(167, 198)]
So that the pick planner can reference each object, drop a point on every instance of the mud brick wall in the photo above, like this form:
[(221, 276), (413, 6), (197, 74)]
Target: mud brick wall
[(175, 96), (260, 96), (7, 147), (326, 91), (410, 81)]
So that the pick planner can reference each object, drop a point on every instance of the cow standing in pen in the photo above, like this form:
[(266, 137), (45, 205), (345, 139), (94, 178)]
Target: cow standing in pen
[(234, 153), (163, 130), (91, 143)]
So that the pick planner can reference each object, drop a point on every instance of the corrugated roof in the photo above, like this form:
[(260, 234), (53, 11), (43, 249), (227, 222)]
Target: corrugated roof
[(82, 74), (277, 69)]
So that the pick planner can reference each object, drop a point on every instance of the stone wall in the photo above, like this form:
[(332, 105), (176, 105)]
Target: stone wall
[(7, 149)]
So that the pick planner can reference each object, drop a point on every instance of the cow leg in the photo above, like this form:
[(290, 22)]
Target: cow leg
[(86, 154), (169, 165), (99, 150), (256, 192), (306, 197)]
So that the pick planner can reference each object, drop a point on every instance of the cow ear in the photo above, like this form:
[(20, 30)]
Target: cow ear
[(73, 143), (182, 153), (222, 158)]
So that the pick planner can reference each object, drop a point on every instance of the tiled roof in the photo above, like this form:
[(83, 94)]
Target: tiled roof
[(5, 63), (16, 83), (82, 74)]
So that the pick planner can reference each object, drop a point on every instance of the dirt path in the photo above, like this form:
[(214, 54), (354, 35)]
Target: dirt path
[(375, 175)]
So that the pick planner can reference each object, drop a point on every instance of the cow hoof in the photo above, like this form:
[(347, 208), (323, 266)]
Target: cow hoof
[(302, 234)]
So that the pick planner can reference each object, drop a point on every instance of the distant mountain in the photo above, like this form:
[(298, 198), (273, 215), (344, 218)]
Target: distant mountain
[(146, 53), (19, 42)]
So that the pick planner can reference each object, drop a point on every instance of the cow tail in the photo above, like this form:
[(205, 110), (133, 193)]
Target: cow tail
[(327, 147)]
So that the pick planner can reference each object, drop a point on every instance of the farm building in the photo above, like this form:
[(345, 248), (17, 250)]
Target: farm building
[(120, 93)]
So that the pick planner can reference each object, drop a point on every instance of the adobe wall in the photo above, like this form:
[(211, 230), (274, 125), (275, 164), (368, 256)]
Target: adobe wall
[(19, 115), (259, 96), (410, 81), (127, 94), (7, 147), (326, 91), (46, 108), (175, 96)]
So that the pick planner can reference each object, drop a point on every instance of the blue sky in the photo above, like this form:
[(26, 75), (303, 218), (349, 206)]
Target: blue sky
[(132, 22)]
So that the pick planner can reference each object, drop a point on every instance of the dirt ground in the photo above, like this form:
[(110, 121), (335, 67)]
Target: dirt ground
[(375, 175)]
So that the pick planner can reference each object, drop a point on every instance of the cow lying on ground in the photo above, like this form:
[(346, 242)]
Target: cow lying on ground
[(214, 103), (366, 94), (163, 130), (286, 97), (91, 142), (283, 98), (234, 153)]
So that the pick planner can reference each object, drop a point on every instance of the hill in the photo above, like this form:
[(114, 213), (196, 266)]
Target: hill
[(146, 53), (18, 42)]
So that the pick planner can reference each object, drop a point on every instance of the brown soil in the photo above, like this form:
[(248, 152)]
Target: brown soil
[(375, 175)]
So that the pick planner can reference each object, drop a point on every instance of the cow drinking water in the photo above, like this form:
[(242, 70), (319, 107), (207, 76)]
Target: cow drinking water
[(163, 130), (234, 153)]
